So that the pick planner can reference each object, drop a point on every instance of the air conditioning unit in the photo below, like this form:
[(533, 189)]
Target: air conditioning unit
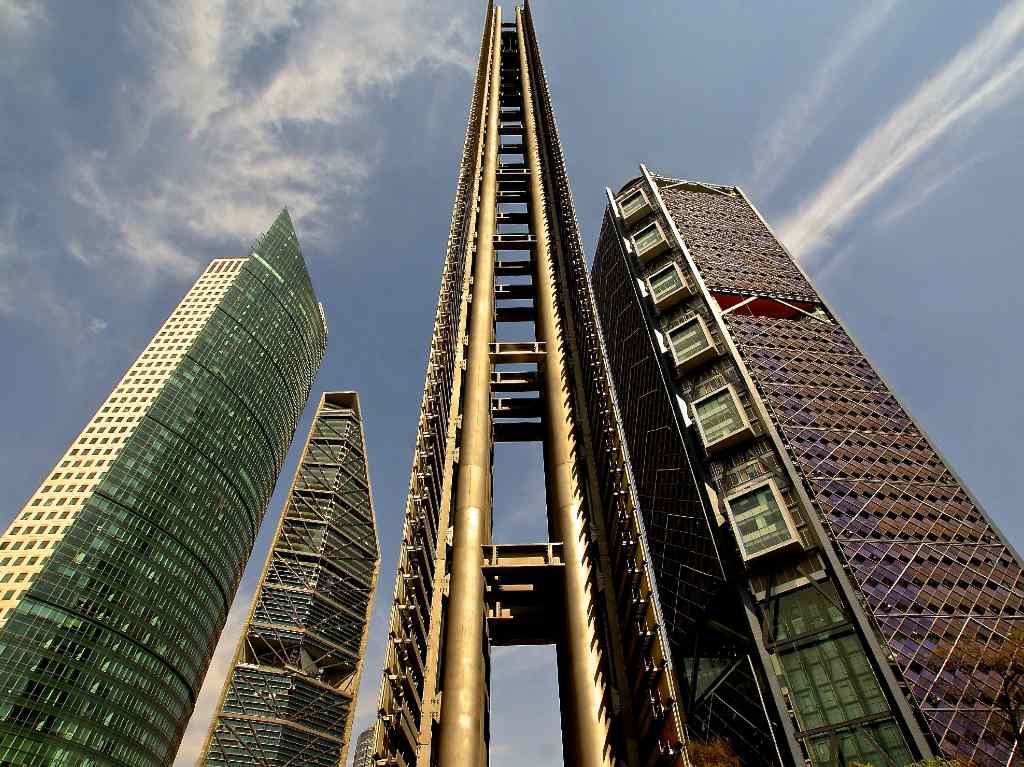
[(721, 419), (649, 241)]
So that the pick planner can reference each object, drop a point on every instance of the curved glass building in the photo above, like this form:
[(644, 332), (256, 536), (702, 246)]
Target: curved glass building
[(119, 572)]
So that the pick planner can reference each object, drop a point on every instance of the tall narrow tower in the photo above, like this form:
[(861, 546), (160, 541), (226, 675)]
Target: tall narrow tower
[(819, 561), (119, 571), (290, 693), (515, 265)]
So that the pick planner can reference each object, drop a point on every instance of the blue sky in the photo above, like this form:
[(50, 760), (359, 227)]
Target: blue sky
[(881, 140)]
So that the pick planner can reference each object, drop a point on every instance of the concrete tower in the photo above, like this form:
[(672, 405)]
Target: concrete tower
[(515, 267)]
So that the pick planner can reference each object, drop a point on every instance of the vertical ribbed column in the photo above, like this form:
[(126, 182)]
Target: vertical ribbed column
[(464, 700), (580, 674)]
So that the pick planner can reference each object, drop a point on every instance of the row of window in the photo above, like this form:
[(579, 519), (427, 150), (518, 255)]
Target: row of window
[(758, 513)]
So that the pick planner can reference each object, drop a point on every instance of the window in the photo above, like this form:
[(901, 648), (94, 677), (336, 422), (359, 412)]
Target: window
[(831, 682), (720, 419), (634, 205), (649, 241), (667, 286), (760, 520), (690, 343)]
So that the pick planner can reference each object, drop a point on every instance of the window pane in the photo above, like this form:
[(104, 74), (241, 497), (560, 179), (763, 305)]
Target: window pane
[(688, 340), (665, 282), (759, 521), (647, 238), (806, 611), (632, 203), (718, 416)]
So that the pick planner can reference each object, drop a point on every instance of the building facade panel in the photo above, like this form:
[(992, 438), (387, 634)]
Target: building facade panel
[(730, 244), (929, 564), (103, 656), (878, 560), (290, 693)]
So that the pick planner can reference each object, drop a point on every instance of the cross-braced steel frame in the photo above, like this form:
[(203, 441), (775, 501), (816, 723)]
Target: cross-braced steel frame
[(289, 697)]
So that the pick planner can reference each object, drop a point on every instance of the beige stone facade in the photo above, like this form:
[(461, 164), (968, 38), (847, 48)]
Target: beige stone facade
[(27, 543)]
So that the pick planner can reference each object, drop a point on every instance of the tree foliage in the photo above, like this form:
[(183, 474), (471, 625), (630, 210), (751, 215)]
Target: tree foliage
[(712, 753), (1002, 660)]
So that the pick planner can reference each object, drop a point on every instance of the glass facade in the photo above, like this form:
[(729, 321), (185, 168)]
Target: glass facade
[(688, 340), (290, 694), (815, 694), (647, 239), (101, 661), (633, 203)]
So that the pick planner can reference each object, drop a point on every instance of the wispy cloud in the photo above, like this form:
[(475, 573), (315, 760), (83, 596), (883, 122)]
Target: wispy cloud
[(922, 186), (247, 109), (209, 696), (186, 126), (804, 117), (981, 77)]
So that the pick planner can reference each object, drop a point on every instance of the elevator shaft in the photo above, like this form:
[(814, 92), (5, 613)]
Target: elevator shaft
[(511, 186), (514, 270)]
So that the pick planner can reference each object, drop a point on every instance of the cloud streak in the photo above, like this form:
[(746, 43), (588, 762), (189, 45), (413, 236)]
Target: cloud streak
[(181, 129), (803, 118), (980, 78)]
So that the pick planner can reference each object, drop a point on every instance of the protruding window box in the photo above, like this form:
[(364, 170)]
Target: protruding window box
[(761, 520), (649, 241), (690, 344), (634, 206), (668, 287), (721, 420)]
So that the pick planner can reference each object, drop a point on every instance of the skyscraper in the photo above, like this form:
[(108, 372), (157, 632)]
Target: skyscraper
[(290, 693), (119, 571), (515, 268), (362, 756), (818, 561)]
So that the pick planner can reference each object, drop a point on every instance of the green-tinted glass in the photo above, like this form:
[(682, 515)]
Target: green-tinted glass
[(665, 283), (759, 521), (719, 416), (102, 660), (688, 340), (647, 238)]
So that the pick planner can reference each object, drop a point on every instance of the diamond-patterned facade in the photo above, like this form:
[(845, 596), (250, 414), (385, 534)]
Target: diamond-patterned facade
[(929, 564), (892, 562)]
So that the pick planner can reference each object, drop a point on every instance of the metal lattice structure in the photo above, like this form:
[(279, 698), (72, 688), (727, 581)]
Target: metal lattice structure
[(514, 259), (889, 562), (289, 697)]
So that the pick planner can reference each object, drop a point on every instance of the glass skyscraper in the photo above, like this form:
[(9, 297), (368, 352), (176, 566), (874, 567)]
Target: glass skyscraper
[(817, 560), (117, 575), (290, 695)]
